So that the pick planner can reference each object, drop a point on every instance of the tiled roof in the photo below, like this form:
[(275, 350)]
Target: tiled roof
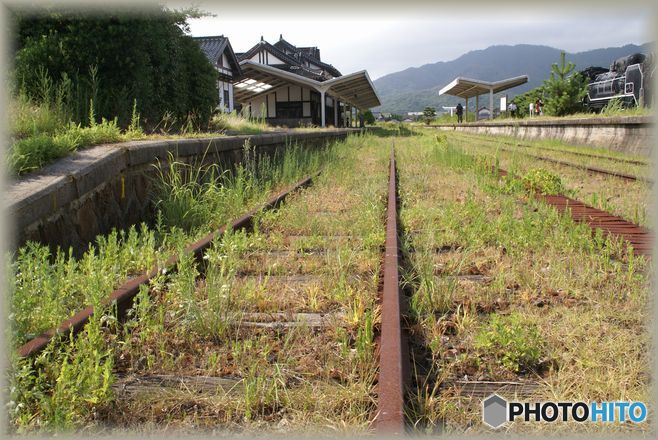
[(310, 54), (213, 47), (328, 67), (294, 59)]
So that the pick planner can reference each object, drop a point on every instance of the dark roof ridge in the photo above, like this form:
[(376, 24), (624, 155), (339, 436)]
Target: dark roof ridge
[(210, 36), (278, 53)]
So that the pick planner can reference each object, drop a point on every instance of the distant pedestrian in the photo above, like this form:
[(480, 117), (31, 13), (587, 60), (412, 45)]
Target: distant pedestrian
[(531, 109), (540, 110), (460, 113), (512, 109)]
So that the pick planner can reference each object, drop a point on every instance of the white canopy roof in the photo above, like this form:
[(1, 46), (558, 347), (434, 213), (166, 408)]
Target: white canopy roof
[(467, 87), (355, 88)]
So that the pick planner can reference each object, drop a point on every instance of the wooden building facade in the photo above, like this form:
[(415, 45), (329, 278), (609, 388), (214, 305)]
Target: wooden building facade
[(219, 52), (291, 86)]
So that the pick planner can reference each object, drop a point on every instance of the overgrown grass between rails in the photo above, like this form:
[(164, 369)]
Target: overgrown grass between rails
[(554, 273), (627, 199), (48, 288), (195, 195), (193, 201)]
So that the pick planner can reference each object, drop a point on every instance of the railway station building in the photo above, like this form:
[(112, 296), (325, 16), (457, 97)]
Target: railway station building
[(291, 86), (219, 52)]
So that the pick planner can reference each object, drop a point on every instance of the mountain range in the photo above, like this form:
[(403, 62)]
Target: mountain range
[(415, 88)]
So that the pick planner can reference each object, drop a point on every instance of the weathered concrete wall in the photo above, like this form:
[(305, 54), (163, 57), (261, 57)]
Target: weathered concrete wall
[(626, 134), (69, 202)]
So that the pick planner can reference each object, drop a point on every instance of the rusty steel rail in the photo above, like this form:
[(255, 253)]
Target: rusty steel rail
[(123, 295), (393, 352), (638, 236)]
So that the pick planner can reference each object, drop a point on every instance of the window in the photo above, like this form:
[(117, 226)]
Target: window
[(226, 100), (285, 110)]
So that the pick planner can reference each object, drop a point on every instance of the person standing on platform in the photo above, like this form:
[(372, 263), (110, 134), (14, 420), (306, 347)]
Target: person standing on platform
[(460, 113)]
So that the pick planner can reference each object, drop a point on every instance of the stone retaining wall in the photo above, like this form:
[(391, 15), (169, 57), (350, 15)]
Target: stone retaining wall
[(625, 134), (69, 202)]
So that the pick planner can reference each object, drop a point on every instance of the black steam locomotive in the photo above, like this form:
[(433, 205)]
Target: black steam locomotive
[(629, 79)]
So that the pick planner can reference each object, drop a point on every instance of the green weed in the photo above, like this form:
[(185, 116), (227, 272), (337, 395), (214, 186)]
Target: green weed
[(514, 341), (543, 182)]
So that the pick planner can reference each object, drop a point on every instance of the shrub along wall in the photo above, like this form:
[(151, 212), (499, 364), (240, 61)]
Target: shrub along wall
[(88, 193), (113, 58)]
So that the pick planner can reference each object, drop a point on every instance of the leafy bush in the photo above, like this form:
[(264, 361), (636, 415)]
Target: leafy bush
[(515, 342), (58, 389), (524, 100), (29, 119), (113, 58)]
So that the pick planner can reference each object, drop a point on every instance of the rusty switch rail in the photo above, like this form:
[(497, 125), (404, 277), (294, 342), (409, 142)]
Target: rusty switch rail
[(639, 237), (393, 356)]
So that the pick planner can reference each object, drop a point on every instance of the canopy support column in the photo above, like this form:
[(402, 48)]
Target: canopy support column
[(323, 104), (335, 112), (491, 104), (466, 110), (477, 107)]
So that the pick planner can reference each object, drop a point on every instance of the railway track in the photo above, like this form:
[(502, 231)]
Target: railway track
[(595, 170), (123, 296), (315, 285), (392, 350), (291, 279)]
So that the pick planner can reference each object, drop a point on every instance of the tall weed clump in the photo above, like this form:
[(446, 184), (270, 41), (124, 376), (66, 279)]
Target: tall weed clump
[(43, 126), (234, 121), (191, 196)]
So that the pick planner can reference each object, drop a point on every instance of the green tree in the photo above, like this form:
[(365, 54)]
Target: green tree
[(368, 117), (429, 114), (522, 101), (140, 55), (564, 90)]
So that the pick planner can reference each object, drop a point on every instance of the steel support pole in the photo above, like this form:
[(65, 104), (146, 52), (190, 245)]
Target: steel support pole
[(491, 109), (322, 107)]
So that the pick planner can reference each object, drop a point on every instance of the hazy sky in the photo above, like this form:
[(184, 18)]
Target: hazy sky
[(391, 38)]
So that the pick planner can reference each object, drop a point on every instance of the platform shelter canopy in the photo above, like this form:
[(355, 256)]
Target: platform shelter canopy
[(467, 87), (356, 88)]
